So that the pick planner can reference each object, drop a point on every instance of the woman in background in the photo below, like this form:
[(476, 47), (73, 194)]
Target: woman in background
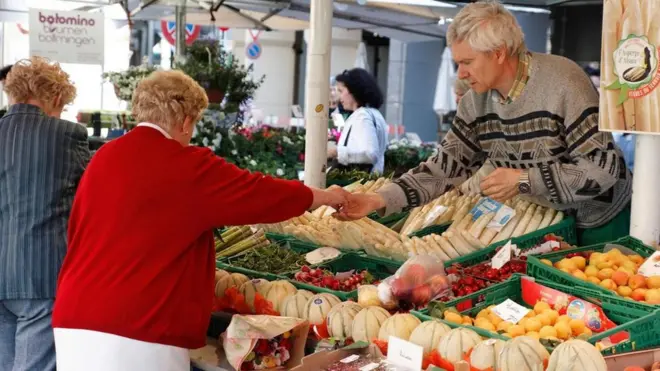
[(363, 139), (136, 287), (41, 161)]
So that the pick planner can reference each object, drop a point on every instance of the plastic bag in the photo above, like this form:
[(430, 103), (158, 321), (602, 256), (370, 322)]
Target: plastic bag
[(419, 280)]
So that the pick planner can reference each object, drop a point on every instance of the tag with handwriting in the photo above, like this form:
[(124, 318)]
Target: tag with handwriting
[(502, 212), (503, 256), (350, 359), (404, 354), (651, 267), (510, 311)]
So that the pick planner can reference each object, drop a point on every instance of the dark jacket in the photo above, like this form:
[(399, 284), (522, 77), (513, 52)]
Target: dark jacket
[(41, 161)]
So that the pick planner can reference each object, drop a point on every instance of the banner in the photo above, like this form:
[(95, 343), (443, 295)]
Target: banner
[(67, 36)]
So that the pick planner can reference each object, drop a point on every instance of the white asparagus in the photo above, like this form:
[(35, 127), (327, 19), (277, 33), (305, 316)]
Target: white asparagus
[(537, 218), (547, 218), (527, 217), (611, 113)]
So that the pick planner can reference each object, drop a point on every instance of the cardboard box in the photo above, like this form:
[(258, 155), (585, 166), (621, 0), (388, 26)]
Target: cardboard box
[(644, 359), (316, 361)]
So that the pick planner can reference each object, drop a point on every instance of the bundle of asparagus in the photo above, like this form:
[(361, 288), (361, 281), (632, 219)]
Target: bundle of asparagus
[(369, 186), (444, 209), (238, 239)]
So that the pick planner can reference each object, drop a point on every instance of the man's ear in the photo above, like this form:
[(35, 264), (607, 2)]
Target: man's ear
[(501, 54)]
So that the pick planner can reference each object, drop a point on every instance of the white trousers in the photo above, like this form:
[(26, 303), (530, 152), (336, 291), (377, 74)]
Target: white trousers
[(84, 350)]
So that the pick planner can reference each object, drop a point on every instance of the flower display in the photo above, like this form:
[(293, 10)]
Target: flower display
[(269, 353), (126, 81)]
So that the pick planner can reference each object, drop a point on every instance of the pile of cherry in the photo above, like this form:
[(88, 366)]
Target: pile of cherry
[(324, 278), (478, 277)]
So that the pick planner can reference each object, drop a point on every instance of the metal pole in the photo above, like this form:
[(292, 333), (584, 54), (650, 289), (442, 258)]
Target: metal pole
[(317, 89), (180, 17), (646, 198)]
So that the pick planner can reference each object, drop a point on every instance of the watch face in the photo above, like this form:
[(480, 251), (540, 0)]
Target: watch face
[(524, 188)]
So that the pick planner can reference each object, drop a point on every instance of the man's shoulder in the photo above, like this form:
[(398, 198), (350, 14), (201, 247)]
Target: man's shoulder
[(560, 69)]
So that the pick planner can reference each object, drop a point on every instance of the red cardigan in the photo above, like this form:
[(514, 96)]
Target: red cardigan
[(140, 259)]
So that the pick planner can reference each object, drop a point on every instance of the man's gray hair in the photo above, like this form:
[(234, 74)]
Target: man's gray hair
[(487, 26)]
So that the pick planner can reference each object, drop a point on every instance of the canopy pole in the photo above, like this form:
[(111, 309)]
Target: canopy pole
[(646, 198), (317, 89), (180, 18)]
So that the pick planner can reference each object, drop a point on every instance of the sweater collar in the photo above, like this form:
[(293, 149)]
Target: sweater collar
[(154, 126)]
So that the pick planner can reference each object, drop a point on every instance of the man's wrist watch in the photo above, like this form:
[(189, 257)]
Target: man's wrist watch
[(524, 185)]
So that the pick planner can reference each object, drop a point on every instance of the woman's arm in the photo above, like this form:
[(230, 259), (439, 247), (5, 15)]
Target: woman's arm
[(362, 147), (227, 195)]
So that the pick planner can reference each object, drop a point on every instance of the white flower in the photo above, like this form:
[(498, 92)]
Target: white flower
[(205, 141), (392, 146), (279, 172), (287, 140), (253, 163), (217, 140), (234, 152)]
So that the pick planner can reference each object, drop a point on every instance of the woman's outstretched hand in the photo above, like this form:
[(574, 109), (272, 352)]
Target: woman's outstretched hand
[(360, 205)]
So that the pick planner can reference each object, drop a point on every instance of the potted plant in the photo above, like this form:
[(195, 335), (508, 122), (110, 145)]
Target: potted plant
[(126, 81), (219, 73)]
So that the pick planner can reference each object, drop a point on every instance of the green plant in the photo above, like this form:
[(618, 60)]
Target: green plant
[(218, 70), (126, 81)]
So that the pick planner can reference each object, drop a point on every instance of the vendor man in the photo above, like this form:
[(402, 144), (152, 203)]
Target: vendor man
[(534, 117)]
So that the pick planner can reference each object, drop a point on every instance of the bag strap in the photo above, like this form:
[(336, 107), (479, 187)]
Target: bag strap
[(373, 120)]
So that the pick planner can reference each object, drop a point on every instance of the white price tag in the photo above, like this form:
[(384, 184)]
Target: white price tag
[(503, 256), (436, 212), (651, 267), (510, 311), (502, 212), (350, 359), (369, 367), (404, 354)]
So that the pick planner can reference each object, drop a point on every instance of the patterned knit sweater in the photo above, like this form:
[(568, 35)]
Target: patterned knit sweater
[(551, 129)]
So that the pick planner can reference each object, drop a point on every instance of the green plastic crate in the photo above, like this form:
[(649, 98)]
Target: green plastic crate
[(643, 327), (248, 272), (483, 333), (434, 229), (564, 229), (277, 237), (389, 220), (536, 268), (345, 263)]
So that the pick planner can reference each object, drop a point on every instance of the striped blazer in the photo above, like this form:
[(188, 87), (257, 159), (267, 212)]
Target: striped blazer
[(41, 161)]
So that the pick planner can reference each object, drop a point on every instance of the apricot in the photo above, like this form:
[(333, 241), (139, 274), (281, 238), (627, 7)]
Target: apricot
[(637, 282), (580, 262), (624, 291), (579, 275), (553, 314), (594, 280), (533, 335), (548, 332), (516, 330), (653, 282), (608, 284), (540, 306), (620, 278), (605, 273), (533, 324), (504, 326), (453, 317), (577, 326), (564, 318), (494, 319), (546, 262), (638, 294), (637, 259), (652, 296), (564, 331), (591, 271)]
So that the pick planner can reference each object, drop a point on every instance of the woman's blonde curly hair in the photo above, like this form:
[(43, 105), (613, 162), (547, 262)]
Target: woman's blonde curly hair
[(40, 79), (166, 98)]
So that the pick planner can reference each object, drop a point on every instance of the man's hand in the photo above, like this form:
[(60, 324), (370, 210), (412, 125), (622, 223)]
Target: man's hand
[(502, 184), (359, 206), (335, 197)]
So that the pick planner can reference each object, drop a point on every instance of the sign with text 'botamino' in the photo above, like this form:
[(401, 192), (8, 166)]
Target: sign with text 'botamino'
[(67, 36)]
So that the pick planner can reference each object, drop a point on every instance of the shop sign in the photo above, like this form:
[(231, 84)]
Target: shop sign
[(67, 36)]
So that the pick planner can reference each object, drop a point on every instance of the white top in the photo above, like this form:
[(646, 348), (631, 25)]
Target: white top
[(367, 141), (84, 350), (154, 126)]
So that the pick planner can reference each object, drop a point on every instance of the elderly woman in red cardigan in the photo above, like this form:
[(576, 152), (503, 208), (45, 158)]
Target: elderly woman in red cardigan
[(135, 290)]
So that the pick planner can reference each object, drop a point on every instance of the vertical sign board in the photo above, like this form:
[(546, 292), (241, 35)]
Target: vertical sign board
[(67, 36)]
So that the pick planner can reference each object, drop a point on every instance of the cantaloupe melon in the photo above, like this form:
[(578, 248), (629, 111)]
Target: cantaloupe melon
[(400, 325), (428, 334), (294, 305), (522, 353), (456, 343), (340, 319), (367, 322), (250, 288), (230, 280), (318, 307), (576, 355), (485, 354), (277, 291), (219, 273)]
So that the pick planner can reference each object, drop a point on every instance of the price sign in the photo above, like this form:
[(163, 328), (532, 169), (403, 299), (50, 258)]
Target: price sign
[(502, 212), (651, 267), (503, 256), (350, 359), (404, 354), (510, 311)]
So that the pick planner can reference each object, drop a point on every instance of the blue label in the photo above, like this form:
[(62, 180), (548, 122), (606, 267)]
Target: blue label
[(485, 206)]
